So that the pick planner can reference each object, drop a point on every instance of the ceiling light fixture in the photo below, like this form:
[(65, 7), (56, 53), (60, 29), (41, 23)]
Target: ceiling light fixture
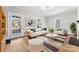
[(46, 7)]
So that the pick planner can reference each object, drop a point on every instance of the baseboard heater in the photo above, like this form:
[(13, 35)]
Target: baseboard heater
[(51, 47), (8, 41)]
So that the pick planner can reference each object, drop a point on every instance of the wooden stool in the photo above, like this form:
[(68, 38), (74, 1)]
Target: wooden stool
[(26, 39)]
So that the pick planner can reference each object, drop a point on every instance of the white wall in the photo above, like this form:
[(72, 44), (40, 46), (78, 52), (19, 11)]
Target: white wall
[(66, 19), (24, 14), (78, 25)]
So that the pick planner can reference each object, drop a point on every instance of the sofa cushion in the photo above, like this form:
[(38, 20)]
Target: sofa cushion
[(74, 41), (35, 34)]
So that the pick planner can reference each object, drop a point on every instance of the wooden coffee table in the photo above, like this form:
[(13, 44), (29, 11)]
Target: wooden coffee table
[(56, 37)]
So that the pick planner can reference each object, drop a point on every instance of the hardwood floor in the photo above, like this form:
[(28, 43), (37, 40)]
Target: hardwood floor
[(16, 45), (20, 45)]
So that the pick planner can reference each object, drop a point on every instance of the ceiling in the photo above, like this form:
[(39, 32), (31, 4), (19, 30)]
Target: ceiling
[(51, 10)]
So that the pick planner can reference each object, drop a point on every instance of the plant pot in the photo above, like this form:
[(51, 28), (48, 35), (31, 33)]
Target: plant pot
[(75, 34)]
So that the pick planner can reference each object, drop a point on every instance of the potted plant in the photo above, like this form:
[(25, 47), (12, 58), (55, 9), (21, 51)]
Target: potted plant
[(73, 28), (51, 30)]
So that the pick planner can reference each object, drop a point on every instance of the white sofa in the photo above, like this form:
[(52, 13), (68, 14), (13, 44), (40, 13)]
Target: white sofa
[(35, 34)]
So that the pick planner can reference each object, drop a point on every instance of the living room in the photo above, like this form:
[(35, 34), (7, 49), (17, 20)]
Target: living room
[(40, 28)]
